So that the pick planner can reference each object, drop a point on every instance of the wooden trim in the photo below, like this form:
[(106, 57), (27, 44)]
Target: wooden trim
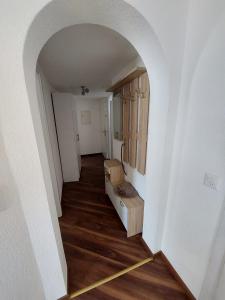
[(131, 76), (175, 275), (134, 86), (144, 98), (126, 121)]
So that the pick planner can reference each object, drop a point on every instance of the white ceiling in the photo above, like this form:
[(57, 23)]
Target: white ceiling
[(85, 54)]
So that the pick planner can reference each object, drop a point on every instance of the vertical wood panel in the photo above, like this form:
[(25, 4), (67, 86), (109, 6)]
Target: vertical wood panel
[(133, 122), (143, 122), (126, 121)]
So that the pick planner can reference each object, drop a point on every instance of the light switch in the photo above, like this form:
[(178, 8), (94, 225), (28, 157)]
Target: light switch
[(211, 181)]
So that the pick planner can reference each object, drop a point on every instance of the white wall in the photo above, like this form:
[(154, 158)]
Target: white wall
[(47, 90), (20, 47), (166, 55), (44, 95), (150, 49), (221, 286), (66, 128), (137, 62), (194, 210), (19, 275), (214, 282), (90, 134)]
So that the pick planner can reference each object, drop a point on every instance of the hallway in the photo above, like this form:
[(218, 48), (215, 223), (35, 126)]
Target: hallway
[(96, 245)]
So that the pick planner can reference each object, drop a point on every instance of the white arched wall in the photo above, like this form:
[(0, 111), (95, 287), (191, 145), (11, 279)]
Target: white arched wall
[(129, 23), (23, 136), (23, 153)]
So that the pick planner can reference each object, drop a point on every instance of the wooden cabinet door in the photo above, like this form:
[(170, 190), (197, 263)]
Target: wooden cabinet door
[(134, 86), (144, 96), (126, 121)]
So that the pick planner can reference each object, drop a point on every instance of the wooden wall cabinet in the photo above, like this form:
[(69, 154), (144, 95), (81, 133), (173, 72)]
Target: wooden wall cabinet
[(135, 94), (144, 96)]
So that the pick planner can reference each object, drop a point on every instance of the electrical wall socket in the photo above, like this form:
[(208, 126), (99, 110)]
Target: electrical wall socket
[(211, 181)]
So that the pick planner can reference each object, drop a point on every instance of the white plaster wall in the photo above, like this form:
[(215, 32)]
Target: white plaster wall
[(221, 287), (19, 275), (153, 58), (137, 62), (214, 282), (45, 105), (164, 66), (193, 209), (28, 163), (47, 90), (65, 123), (90, 134)]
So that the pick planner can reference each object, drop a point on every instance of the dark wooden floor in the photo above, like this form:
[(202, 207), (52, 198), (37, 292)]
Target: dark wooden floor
[(96, 245)]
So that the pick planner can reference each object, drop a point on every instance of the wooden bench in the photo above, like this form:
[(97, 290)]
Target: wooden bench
[(130, 210)]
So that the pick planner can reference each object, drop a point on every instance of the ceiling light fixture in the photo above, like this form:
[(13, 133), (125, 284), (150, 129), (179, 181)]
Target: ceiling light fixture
[(84, 90)]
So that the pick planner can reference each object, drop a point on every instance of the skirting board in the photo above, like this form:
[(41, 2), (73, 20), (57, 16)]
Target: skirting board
[(175, 275), (91, 154)]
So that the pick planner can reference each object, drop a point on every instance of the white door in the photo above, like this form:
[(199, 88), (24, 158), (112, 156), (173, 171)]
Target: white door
[(105, 127), (64, 114), (49, 147), (76, 134)]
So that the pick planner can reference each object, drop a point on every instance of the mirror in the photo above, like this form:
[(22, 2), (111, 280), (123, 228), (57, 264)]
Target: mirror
[(117, 117)]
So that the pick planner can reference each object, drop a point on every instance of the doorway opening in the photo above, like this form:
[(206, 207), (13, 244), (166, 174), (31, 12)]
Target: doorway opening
[(61, 14), (84, 132)]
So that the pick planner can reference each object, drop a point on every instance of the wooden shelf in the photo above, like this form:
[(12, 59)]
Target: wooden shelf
[(131, 76)]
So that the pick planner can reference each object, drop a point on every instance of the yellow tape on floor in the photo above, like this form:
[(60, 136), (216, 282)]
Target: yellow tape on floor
[(107, 279)]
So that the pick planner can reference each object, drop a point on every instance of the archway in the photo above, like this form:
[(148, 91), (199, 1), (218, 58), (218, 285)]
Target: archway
[(126, 20)]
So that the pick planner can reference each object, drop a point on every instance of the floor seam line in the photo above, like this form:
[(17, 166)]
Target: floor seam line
[(109, 278)]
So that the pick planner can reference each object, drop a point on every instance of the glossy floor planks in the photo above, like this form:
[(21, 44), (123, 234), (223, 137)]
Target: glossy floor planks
[(96, 245), (152, 281), (95, 241)]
